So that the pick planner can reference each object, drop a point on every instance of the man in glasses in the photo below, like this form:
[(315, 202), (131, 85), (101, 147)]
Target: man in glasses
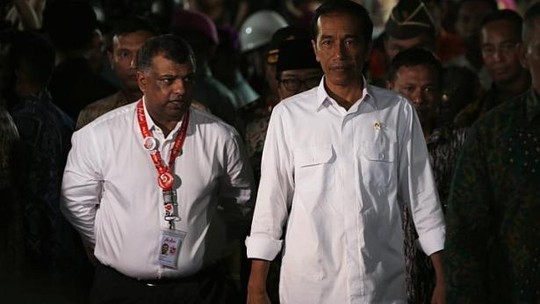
[(297, 69)]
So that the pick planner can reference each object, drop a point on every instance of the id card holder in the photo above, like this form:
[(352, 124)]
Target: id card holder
[(169, 248)]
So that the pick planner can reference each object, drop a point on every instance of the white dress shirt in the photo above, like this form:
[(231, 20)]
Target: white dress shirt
[(337, 179), (111, 195)]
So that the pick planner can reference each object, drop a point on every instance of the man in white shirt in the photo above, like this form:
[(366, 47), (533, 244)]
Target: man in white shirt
[(152, 185), (339, 162)]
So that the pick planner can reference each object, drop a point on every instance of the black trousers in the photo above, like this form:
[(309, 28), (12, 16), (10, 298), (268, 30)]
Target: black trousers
[(209, 286)]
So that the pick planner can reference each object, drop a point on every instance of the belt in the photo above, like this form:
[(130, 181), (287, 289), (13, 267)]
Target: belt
[(215, 269)]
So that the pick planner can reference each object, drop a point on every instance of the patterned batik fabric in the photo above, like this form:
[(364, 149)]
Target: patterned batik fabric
[(492, 251)]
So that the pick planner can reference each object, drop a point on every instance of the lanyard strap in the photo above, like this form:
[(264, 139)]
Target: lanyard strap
[(165, 177)]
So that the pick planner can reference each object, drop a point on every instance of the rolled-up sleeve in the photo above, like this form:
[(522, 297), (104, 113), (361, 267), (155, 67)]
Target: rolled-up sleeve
[(274, 195), (82, 184), (418, 188)]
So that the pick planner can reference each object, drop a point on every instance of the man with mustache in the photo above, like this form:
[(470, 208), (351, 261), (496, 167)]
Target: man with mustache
[(158, 174), (338, 163)]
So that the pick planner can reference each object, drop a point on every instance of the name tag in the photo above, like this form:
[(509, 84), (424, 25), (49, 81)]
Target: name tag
[(169, 249)]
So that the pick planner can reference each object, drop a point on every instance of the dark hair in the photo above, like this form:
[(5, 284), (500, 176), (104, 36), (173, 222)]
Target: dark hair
[(531, 15), (505, 15), (414, 57), (33, 53), (70, 24), (133, 24), (169, 46), (344, 6)]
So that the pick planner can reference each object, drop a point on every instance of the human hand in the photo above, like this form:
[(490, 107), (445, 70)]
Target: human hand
[(439, 294), (257, 297)]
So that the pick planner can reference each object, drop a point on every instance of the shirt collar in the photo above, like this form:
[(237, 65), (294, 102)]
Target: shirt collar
[(533, 105), (152, 125), (323, 98)]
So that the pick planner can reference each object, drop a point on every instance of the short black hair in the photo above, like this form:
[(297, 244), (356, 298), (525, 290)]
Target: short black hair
[(133, 24), (169, 46), (530, 17), (505, 15), (413, 57), (71, 25), (344, 6), (34, 54)]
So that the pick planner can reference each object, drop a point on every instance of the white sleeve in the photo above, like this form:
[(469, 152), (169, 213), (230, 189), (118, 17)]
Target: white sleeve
[(275, 192), (417, 185), (82, 184)]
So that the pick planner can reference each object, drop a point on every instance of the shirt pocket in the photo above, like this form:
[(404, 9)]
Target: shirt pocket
[(314, 168), (378, 164)]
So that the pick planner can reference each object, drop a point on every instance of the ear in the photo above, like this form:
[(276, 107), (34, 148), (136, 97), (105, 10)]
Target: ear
[(522, 53), (389, 85), (110, 55), (314, 45), (141, 81)]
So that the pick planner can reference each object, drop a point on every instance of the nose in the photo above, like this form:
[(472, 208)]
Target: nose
[(339, 49), (178, 87), (133, 62), (416, 97)]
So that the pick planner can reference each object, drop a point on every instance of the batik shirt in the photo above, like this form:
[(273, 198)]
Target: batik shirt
[(45, 131), (493, 240), (443, 145)]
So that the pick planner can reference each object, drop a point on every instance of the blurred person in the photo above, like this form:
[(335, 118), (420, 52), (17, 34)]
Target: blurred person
[(461, 88), (417, 74), (338, 162), (255, 35), (500, 40), (225, 65), (128, 37), (72, 28), (224, 13), (470, 14), (12, 249), (54, 257), (492, 249), (260, 109), (25, 14), (184, 200), (409, 25), (201, 33)]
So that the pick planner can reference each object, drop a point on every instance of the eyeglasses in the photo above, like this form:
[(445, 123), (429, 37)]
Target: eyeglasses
[(294, 84)]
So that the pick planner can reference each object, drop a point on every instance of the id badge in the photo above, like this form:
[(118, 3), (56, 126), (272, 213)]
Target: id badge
[(169, 249)]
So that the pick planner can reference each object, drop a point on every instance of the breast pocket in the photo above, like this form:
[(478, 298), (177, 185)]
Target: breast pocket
[(314, 168), (378, 163)]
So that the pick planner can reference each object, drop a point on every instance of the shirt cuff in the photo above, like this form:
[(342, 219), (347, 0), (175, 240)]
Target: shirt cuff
[(259, 247), (432, 241)]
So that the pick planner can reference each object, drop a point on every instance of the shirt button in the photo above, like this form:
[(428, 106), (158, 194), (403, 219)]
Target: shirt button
[(381, 155)]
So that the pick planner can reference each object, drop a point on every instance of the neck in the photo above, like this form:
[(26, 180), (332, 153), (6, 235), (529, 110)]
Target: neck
[(345, 96), (166, 126), (512, 89)]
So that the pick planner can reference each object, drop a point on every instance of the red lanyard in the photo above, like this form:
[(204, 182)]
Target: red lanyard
[(165, 177)]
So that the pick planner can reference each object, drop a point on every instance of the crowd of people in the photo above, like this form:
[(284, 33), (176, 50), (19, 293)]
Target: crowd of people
[(296, 151)]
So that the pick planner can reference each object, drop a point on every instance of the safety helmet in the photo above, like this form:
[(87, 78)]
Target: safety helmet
[(258, 28)]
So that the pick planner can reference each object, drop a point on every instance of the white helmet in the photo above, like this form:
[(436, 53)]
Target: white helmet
[(258, 28)]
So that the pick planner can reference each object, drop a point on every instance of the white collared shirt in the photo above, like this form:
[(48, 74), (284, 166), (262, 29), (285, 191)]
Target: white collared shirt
[(336, 179), (111, 195)]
